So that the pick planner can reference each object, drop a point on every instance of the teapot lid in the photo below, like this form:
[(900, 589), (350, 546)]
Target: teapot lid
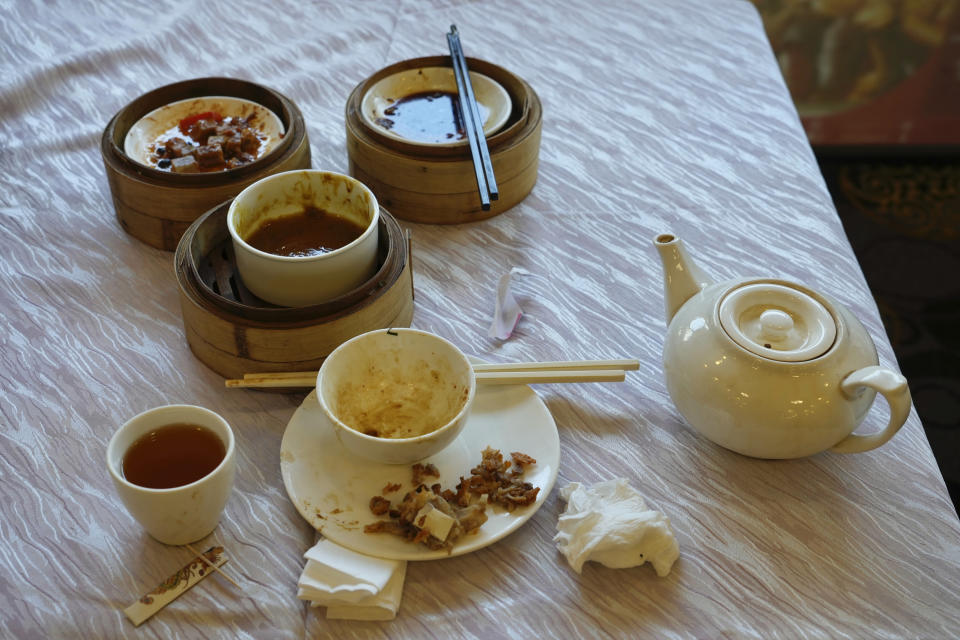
[(777, 320)]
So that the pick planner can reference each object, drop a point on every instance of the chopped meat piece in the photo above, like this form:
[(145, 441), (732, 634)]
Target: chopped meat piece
[(250, 142), (472, 517), (522, 459), (186, 164), (210, 155), (228, 130), (493, 481), (493, 478), (201, 129), (379, 505), (421, 471), (232, 145), (178, 147)]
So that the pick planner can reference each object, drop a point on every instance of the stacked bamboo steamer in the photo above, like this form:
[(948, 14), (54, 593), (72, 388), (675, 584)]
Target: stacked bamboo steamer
[(233, 332), (437, 184), (157, 206)]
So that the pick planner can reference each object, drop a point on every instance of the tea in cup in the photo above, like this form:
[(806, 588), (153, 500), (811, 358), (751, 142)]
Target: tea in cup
[(173, 468)]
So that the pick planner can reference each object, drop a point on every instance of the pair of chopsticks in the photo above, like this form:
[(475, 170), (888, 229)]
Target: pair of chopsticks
[(470, 114), (507, 373)]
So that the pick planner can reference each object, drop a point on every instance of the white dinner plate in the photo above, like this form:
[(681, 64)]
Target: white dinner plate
[(331, 487)]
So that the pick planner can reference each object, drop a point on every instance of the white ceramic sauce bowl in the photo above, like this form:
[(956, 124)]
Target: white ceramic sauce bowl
[(413, 385), (299, 281), (179, 515)]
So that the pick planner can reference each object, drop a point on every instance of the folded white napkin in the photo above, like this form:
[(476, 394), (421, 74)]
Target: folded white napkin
[(610, 523), (351, 585)]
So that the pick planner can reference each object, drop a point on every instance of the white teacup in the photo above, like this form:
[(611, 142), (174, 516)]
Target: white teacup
[(182, 514)]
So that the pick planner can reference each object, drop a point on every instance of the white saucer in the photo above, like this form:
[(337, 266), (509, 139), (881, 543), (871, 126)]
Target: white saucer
[(331, 487)]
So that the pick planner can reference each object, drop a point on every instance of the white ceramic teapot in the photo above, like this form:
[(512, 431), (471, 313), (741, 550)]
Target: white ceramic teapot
[(769, 368)]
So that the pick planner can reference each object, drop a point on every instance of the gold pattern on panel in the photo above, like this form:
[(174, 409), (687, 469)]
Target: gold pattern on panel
[(915, 200)]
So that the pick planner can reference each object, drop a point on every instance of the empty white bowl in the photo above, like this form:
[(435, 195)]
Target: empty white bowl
[(299, 281), (396, 395)]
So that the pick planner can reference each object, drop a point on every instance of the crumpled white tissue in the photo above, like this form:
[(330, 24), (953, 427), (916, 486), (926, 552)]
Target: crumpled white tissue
[(506, 312), (610, 523), (351, 585)]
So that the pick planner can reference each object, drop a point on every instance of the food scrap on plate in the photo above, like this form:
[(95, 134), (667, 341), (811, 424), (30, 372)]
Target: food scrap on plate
[(438, 518), (207, 142)]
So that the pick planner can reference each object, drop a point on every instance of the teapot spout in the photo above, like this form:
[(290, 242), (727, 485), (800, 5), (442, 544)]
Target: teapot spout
[(682, 279)]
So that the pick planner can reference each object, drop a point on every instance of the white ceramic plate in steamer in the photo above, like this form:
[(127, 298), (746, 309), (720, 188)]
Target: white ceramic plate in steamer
[(162, 123)]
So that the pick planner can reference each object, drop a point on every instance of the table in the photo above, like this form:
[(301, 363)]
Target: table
[(658, 117)]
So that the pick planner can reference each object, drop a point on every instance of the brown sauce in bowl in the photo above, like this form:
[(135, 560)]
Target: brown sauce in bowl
[(428, 116), (312, 232)]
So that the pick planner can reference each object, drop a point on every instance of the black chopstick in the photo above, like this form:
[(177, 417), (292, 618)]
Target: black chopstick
[(486, 181)]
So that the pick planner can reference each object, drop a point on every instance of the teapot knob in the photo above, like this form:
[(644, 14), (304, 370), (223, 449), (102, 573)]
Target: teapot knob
[(775, 325)]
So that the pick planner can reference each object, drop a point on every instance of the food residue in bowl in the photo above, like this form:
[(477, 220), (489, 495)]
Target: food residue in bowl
[(400, 401), (438, 518)]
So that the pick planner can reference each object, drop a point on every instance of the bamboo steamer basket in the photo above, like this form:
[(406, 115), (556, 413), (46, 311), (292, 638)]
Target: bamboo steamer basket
[(233, 332), (434, 184), (157, 206)]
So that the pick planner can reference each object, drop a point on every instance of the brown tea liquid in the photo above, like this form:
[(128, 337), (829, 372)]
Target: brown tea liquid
[(310, 233), (172, 456)]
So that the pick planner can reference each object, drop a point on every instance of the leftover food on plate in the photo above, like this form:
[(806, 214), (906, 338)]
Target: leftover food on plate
[(438, 518), (207, 141), (203, 135)]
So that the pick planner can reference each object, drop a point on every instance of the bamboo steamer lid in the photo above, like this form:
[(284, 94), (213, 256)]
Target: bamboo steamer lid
[(157, 206), (437, 184), (233, 332)]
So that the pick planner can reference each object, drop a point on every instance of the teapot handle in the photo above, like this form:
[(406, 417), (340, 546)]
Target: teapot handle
[(894, 388)]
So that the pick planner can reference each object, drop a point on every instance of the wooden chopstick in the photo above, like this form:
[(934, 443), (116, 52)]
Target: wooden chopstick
[(487, 373), (563, 365), (549, 377), (483, 166), (213, 566)]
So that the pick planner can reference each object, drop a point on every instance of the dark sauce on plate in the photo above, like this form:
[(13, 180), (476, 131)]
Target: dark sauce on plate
[(312, 232), (428, 116), (172, 456)]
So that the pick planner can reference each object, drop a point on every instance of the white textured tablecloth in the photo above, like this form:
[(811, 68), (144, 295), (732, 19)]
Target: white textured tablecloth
[(658, 116)]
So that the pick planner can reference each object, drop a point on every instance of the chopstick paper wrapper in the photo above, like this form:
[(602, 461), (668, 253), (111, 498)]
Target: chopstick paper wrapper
[(506, 312), (177, 584), (351, 585)]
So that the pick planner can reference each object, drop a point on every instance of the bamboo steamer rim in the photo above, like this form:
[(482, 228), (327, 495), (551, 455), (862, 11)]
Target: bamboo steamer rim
[(114, 134), (393, 256), (524, 119)]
